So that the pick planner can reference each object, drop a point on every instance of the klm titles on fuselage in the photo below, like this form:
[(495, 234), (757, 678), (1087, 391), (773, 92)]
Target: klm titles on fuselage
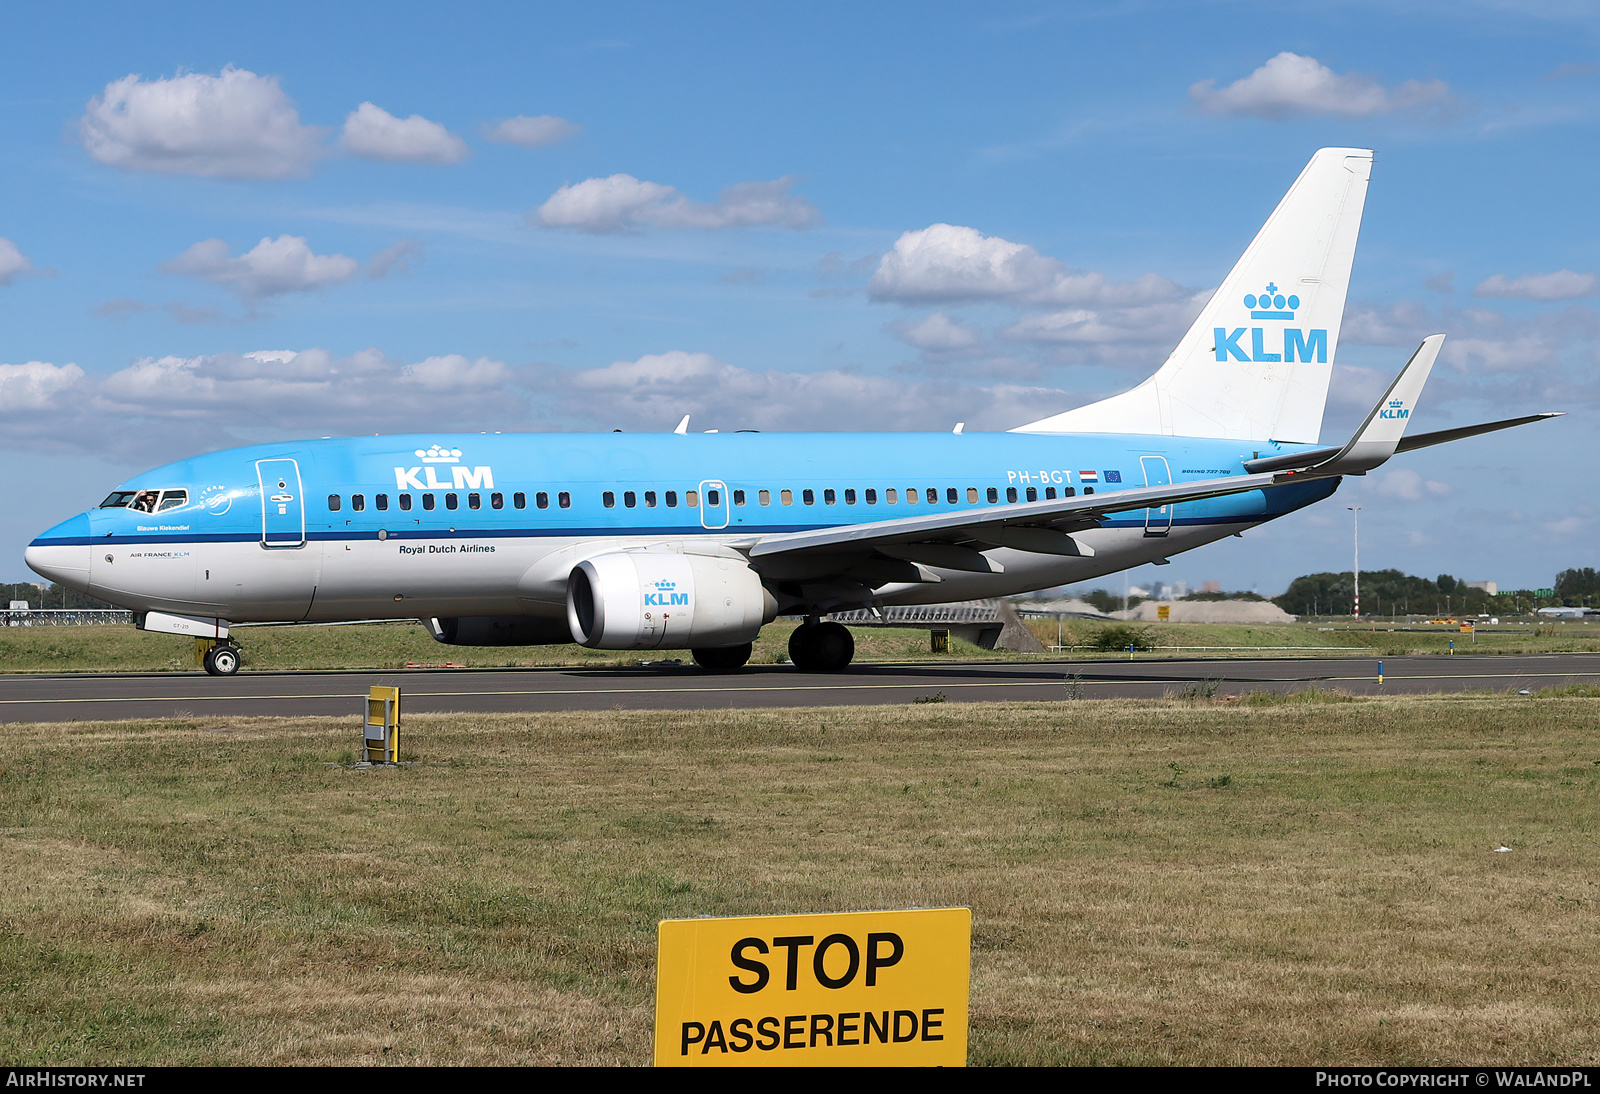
[(423, 477), (1297, 344)]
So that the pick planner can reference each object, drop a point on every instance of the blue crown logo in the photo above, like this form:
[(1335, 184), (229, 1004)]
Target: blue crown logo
[(1396, 404), (666, 586), (1271, 304)]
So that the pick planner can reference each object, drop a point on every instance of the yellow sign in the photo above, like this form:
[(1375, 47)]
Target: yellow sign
[(1164, 612), (1466, 628), (383, 725), (858, 988)]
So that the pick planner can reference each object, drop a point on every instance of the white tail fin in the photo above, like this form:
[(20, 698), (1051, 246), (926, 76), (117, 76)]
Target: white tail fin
[(1256, 364)]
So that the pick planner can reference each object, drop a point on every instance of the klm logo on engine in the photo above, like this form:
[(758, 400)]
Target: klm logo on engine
[(1395, 409), (664, 596), (1297, 344), (425, 477)]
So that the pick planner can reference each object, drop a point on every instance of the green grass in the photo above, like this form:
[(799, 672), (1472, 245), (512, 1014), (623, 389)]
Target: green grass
[(395, 645), (1167, 882)]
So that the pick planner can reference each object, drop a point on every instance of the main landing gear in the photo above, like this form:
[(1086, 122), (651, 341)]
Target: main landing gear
[(723, 658), (222, 659), (821, 647)]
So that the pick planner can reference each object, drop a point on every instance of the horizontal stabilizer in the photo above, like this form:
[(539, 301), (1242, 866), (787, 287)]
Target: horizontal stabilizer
[(1444, 436)]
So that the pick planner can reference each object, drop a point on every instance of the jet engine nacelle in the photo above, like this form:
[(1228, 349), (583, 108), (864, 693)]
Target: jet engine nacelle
[(499, 630), (634, 600)]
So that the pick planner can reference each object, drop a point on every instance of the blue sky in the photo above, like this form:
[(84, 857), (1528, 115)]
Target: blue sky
[(302, 220)]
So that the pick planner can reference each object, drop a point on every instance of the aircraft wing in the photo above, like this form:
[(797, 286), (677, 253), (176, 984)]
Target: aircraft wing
[(953, 540), (1383, 433)]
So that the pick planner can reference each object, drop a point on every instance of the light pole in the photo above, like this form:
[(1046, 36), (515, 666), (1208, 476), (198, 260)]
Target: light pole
[(1356, 509)]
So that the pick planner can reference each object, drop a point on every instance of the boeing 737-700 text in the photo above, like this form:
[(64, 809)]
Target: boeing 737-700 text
[(695, 541)]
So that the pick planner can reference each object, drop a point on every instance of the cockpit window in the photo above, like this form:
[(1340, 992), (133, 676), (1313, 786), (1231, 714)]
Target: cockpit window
[(146, 501)]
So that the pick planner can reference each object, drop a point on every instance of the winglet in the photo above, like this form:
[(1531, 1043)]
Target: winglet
[(1380, 434), (683, 426)]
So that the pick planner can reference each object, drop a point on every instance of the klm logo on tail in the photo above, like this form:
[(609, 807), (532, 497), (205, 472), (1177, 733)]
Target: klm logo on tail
[(1395, 409), (1298, 345)]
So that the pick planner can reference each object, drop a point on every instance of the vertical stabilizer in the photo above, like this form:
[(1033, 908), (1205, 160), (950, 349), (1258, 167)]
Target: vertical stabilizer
[(1256, 364)]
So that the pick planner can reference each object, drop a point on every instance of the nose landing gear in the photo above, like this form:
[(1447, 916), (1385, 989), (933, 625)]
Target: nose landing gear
[(222, 659)]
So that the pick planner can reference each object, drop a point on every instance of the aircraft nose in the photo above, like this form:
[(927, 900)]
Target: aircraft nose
[(63, 553)]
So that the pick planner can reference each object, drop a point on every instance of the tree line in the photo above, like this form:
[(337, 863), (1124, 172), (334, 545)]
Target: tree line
[(1391, 592)]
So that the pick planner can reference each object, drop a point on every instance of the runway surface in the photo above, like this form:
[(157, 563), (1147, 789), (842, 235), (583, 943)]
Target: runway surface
[(30, 698)]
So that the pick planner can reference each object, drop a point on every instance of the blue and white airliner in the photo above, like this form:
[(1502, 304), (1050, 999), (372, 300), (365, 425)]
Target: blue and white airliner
[(696, 540)]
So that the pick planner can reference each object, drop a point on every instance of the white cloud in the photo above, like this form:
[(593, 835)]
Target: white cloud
[(235, 125), (35, 385), (945, 263), (1561, 285), (531, 132), (1408, 485), (1160, 322), (1290, 86), (13, 263), (622, 203), (273, 266), (397, 259), (163, 408), (373, 133), (937, 332)]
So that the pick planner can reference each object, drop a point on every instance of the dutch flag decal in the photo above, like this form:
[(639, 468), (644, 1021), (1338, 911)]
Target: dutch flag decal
[(1089, 476)]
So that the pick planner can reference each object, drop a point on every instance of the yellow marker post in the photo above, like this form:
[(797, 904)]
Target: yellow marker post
[(383, 726), (851, 989)]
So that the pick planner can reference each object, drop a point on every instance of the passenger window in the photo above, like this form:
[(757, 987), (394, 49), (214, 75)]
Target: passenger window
[(951, 496), (933, 495), (808, 496), (872, 497), (1068, 492), (713, 497), (672, 499), (691, 498), (358, 502), (849, 497), (609, 499), (564, 500), (890, 497), (786, 496), (333, 503), (1087, 490), (541, 499), (911, 495), (1049, 493), (1033, 494), (497, 501), (630, 499), (1011, 493), (450, 501), (382, 500), (649, 499), (738, 497), (972, 495), (474, 501), (765, 497), (994, 495), (828, 497), (427, 501), (405, 502)]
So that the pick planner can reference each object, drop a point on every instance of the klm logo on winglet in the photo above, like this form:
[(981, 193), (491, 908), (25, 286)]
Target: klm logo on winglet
[(664, 597), (1298, 345), (1395, 409), (424, 477)]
